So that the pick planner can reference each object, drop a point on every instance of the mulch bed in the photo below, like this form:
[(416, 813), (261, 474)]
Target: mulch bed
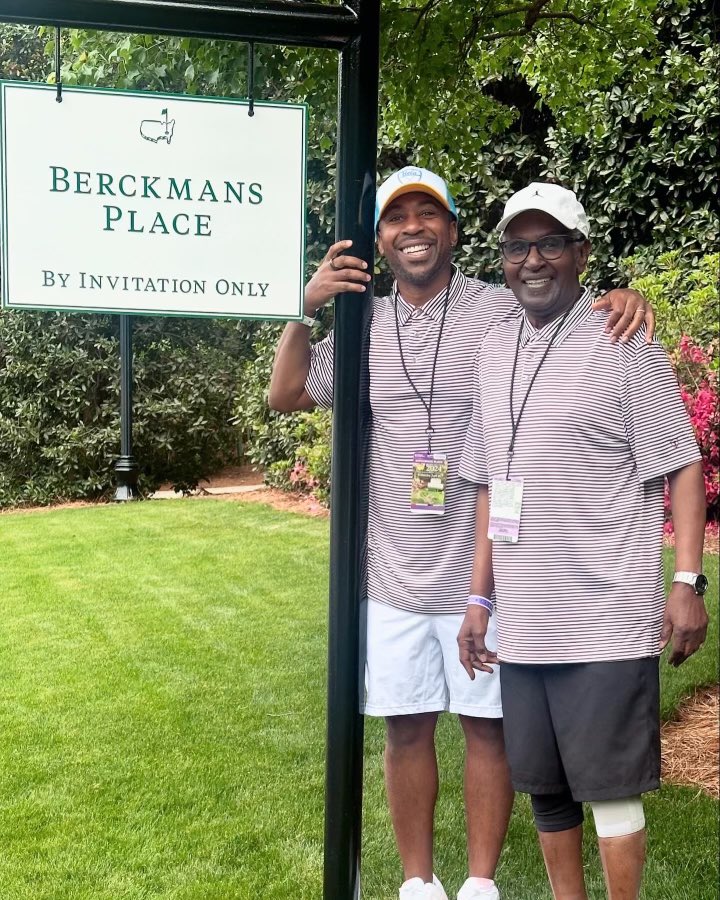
[(284, 500), (691, 744)]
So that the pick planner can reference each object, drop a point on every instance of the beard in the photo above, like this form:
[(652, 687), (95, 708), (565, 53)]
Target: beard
[(419, 277)]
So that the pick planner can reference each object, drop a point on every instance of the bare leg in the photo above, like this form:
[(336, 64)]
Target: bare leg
[(623, 859), (488, 793), (562, 852), (411, 778)]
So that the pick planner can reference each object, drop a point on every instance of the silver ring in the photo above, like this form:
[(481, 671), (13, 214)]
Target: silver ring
[(333, 266)]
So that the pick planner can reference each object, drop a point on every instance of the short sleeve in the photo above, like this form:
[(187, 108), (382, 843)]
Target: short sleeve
[(473, 462), (498, 304), (319, 382), (656, 421)]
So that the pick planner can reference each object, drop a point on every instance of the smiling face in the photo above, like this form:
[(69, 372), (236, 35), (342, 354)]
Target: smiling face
[(545, 289), (416, 234)]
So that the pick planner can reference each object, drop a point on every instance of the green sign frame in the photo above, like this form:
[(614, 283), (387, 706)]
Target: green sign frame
[(161, 97)]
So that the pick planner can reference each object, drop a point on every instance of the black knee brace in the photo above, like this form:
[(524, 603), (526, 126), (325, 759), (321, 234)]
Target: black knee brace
[(556, 812)]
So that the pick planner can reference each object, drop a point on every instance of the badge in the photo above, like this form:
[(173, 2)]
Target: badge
[(429, 478), (505, 508)]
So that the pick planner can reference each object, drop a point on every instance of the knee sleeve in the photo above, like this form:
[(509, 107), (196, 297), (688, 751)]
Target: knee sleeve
[(615, 818), (556, 812)]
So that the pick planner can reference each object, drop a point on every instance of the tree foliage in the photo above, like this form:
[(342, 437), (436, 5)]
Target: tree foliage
[(22, 54), (616, 99), (684, 295), (647, 167), (449, 67)]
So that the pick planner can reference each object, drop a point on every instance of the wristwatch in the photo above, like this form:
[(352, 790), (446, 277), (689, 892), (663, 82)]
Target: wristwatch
[(697, 581), (309, 321)]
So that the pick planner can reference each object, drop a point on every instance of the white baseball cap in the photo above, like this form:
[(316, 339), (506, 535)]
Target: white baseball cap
[(556, 201), (412, 178)]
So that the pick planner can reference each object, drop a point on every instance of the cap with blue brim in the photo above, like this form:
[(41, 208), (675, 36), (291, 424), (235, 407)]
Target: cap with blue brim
[(407, 180)]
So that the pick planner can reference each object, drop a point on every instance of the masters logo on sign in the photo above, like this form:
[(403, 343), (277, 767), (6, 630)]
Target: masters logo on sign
[(148, 203)]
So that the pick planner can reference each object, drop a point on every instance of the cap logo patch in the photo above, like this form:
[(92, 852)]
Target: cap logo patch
[(409, 173)]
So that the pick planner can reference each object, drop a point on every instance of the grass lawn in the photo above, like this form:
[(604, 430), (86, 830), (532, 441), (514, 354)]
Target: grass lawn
[(162, 692)]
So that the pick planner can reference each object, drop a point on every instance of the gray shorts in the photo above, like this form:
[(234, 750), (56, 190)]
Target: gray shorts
[(592, 727)]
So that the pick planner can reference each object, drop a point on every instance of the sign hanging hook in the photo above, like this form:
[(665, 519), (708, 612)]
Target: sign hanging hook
[(58, 74), (251, 78)]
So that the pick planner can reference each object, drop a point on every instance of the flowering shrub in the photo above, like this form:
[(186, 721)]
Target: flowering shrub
[(301, 478), (696, 368), (309, 470), (684, 295)]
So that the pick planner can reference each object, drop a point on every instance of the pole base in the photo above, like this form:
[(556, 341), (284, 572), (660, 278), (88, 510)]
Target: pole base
[(126, 478)]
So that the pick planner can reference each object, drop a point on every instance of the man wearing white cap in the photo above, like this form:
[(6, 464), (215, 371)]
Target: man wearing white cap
[(423, 338), (569, 442)]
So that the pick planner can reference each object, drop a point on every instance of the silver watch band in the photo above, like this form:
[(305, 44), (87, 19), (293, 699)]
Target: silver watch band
[(686, 577)]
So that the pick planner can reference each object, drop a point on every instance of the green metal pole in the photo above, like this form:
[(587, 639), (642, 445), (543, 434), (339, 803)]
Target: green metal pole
[(357, 152), (126, 469)]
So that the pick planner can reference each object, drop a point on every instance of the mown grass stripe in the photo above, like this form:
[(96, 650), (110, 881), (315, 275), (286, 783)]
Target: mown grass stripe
[(162, 719)]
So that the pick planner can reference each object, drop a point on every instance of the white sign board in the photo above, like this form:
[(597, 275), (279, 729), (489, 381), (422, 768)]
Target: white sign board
[(115, 201)]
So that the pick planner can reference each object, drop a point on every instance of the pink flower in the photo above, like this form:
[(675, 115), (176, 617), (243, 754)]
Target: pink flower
[(699, 391)]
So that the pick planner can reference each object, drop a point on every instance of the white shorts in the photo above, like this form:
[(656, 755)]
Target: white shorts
[(413, 666)]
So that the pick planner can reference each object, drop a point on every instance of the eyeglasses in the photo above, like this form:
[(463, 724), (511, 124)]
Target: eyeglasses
[(550, 247)]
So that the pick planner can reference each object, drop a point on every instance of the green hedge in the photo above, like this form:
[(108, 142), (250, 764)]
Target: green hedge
[(60, 403)]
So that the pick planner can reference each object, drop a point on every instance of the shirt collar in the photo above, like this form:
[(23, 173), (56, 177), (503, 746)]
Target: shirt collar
[(577, 313), (432, 308)]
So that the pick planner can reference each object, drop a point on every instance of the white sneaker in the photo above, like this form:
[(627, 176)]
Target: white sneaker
[(471, 890), (417, 889)]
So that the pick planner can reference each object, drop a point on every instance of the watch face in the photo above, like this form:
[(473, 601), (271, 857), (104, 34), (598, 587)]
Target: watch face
[(701, 584)]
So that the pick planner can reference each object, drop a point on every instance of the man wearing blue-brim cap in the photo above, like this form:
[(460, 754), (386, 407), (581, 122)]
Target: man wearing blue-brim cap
[(423, 340), (413, 179)]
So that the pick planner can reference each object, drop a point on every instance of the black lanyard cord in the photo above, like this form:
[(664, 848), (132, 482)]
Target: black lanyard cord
[(516, 422), (428, 406)]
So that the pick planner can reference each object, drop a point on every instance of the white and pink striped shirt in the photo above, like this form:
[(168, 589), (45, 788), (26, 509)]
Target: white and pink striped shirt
[(602, 425)]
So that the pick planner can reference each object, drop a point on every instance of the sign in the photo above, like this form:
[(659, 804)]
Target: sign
[(116, 201)]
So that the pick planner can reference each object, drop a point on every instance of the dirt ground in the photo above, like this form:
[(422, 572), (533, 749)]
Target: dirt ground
[(248, 477), (234, 475), (282, 500)]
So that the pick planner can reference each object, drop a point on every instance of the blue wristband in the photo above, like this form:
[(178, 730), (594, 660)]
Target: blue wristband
[(477, 600)]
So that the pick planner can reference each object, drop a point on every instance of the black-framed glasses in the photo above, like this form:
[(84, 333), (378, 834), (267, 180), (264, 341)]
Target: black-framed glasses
[(550, 247)]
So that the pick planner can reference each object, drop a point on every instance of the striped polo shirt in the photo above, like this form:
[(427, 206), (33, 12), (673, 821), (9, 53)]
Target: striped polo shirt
[(420, 563), (602, 425)]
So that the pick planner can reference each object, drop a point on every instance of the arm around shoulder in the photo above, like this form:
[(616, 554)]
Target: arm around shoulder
[(629, 310)]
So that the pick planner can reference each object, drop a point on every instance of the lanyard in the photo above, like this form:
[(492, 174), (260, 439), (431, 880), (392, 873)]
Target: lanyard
[(516, 422), (429, 431)]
